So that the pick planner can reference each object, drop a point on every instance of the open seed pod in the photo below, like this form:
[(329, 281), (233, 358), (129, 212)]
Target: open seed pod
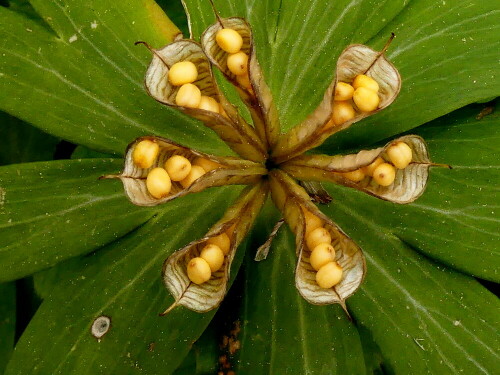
[(408, 185), (295, 203), (255, 93), (232, 171), (236, 223), (232, 129), (318, 126)]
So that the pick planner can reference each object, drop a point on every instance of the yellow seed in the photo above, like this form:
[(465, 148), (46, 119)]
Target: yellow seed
[(384, 174), (206, 164), (342, 112), (343, 91), (365, 81), (195, 173), (237, 63), (158, 183), (222, 111), (222, 241), (182, 72), (317, 236), (312, 221), (198, 270), (145, 153), (400, 154), (209, 104), (178, 167), (322, 254), (188, 96), (368, 170), (366, 100), (229, 40), (244, 81), (329, 275), (214, 256), (355, 176)]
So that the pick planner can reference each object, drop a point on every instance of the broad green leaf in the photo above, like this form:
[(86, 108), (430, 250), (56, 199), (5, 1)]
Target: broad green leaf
[(283, 333), (51, 211), (122, 281), (424, 317), (298, 43), (23, 143), (90, 74), (7, 322), (82, 152), (175, 11)]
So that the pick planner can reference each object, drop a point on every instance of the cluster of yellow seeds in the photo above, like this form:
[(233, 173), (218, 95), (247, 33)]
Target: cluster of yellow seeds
[(322, 257), (383, 172), (177, 168), (230, 41), (183, 74), (211, 258), (363, 92)]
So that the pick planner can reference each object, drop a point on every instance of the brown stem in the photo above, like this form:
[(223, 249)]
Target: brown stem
[(386, 46), (219, 19), (153, 51)]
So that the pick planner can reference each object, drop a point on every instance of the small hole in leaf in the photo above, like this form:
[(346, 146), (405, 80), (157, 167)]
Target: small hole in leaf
[(101, 326)]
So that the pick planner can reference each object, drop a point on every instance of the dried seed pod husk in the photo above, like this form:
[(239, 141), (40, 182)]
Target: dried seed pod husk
[(408, 185), (318, 126), (233, 129), (237, 220), (293, 200), (233, 171), (259, 99)]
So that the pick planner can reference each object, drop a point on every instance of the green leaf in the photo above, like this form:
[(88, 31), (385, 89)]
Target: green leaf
[(82, 152), (7, 322), (282, 333), (122, 281), (23, 143), (90, 74), (56, 210), (424, 317)]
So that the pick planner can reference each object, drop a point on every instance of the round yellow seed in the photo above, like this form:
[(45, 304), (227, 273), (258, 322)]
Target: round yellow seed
[(355, 176), (206, 164), (366, 100), (158, 183), (195, 173), (343, 91), (145, 153), (329, 275), (317, 236), (400, 155), (342, 112), (229, 40), (237, 63), (322, 254), (214, 256), (384, 174), (178, 167), (209, 104), (222, 241), (198, 270), (312, 222), (182, 72), (365, 81), (368, 170), (188, 96)]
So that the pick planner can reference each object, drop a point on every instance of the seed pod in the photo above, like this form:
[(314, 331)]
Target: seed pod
[(408, 185), (258, 98), (317, 127), (236, 222), (294, 202), (233, 130), (232, 171)]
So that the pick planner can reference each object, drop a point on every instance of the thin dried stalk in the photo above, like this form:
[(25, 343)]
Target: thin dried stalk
[(233, 171)]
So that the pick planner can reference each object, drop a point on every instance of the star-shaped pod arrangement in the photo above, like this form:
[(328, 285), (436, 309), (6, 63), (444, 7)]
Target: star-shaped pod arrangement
[(330, 265)]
